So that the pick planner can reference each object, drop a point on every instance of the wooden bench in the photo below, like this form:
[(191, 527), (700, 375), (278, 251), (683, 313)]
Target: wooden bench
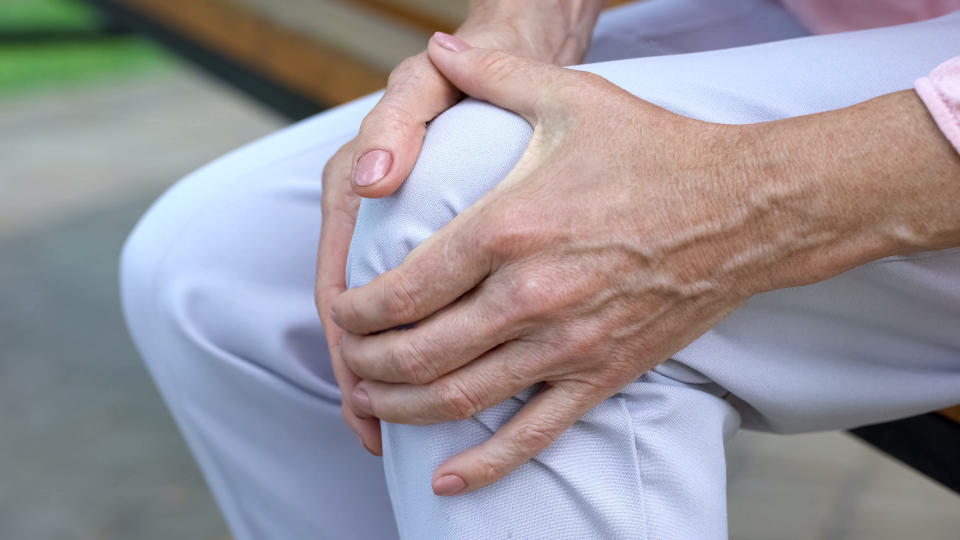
[(300, 56)]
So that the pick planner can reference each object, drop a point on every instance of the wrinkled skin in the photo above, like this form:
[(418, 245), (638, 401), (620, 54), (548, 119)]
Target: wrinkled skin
[(555, 31), (622, 234)]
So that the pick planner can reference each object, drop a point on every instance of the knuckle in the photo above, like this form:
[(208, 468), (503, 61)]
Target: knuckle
[(387, 117), (533, 293), (335, 167), (495, 65), (491, 467), (531, 439), (412, 365), (349, 356), (454, 401), (399, 303), (407, 69), (347, 313)]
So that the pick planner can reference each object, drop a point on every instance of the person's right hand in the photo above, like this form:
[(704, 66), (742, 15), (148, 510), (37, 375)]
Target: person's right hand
[(377, 161)]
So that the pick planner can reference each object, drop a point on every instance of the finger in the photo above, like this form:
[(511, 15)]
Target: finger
[(488, 380), (339, 211), (339, 207), (535, 427), (392, 132), (441, 343), (437, 272), (366, 427), (512, 82)]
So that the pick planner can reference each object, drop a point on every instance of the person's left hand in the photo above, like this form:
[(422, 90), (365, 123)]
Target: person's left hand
[(622, 234)]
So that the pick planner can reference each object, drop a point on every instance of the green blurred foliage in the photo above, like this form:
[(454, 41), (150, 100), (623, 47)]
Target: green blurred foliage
[(31, 66), (24, 14)]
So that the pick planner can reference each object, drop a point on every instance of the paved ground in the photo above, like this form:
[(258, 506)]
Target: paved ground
[(87, 449)]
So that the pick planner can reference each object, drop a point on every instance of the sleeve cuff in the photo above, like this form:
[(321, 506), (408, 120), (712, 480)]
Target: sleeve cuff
[(940, 92)]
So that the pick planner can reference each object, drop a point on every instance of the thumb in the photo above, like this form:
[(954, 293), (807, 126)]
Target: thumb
[(388, 144), (521, 85)]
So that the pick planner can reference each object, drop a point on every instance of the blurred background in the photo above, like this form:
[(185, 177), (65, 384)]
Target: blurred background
[(97, 117)]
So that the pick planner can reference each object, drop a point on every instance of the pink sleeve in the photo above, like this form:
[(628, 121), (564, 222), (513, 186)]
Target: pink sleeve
[(940, 91)]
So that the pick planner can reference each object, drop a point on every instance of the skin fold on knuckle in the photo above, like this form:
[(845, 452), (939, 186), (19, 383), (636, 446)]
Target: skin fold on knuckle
[(529, 440), (410, 363), (410, 69), (334, 165), (495, 66), (399, 303), (388, 120), (454, 401), (345, 307), (339, 204), (337, 195), (349, 353)]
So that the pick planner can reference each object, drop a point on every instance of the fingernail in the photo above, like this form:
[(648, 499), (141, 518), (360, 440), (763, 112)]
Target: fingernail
[(371, 167), (361, 400), (335, 318), (451, 43), (449, 484)]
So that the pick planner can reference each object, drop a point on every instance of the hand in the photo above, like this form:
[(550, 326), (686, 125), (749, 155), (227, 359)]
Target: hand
[(622, 234), (376, 162), (618, 238)]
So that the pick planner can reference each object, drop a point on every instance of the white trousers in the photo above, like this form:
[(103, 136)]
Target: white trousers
[(217, 287)]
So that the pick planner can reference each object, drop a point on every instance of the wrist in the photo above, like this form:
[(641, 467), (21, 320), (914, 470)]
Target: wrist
[(854, 185), (552, 31)]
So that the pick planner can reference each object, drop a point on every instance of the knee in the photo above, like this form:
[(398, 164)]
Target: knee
[(219, 272), (466, 152), (141, 286), (159, 251)]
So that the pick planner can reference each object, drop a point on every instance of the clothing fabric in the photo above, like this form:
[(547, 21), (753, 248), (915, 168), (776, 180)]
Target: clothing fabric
[(940, 90), (217, 284), (828, 16)]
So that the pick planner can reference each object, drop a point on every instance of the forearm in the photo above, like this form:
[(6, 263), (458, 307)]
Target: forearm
[(872, 180), (554, 31)]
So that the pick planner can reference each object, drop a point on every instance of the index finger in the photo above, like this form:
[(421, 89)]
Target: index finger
[(435, 274), (339, 211), (535, 427)]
